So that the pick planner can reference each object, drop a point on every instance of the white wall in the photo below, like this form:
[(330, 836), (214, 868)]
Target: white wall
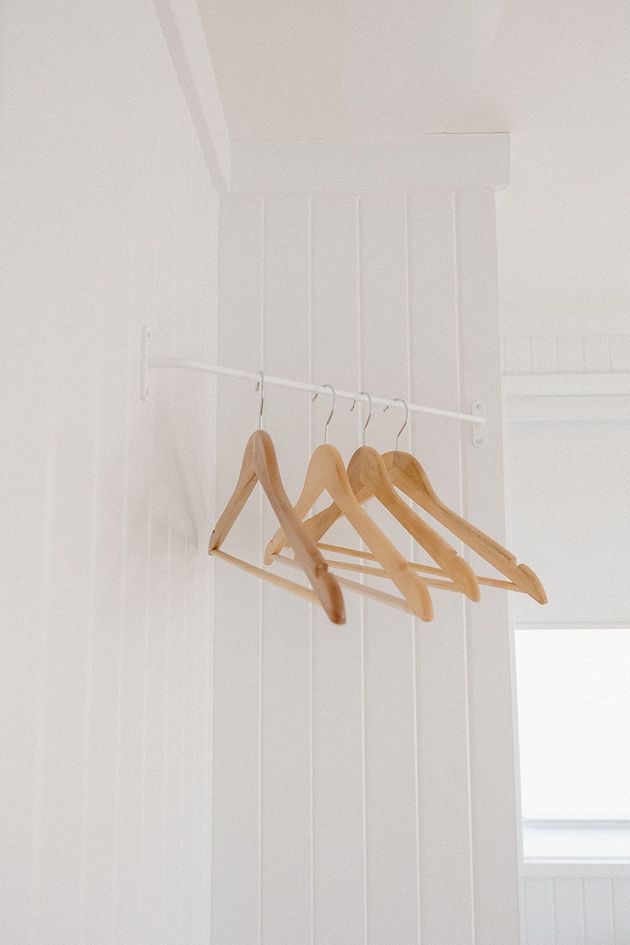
[(568, 420), (568, 449), (353, 783), (363, 775), (109, 221)]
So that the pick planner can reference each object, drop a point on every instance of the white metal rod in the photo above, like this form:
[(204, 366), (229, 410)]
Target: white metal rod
[(271, 380)]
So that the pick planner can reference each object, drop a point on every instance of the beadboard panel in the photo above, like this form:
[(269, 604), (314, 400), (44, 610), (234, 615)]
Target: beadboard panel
[(351, 802), (338, 875), (565, 354), (577, 910), (110, 220)]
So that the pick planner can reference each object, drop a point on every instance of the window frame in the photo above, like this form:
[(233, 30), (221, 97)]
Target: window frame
[(573, 831)]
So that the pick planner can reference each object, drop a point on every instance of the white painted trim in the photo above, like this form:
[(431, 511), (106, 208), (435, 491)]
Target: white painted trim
[(577, 868), (494, 802), (571, 841), (566, 409), (612, 384), (186, 42), (572, 625), (566, 397), (529, 318), (575, 823), (418, 163)]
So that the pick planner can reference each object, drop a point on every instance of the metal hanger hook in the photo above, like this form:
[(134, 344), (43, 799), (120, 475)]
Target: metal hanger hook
[(260, 385), (406, 406), (364, 393), (332, 409)]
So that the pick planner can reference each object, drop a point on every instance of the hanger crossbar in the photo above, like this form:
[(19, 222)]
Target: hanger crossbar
[(415, 566)]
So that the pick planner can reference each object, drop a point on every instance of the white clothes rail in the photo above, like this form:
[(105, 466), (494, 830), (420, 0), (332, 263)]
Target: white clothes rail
[(149, 364)]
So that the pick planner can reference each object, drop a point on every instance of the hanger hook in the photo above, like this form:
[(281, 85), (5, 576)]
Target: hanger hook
[(406, 406), (364, 393), (260, 385), (332, 409)]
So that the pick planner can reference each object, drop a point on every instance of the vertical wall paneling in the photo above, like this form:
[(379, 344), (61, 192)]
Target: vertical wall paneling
[(390, 739), (570, 353), (190, 756), (566, 354), (111, 224), (544, 354), (490, 642), (539, 919), (620, 352), (564, 908), (338, 762), (445, 865), (568, 896), (285, 667), (621, 910), (598, 911), (354, 766), (236, 774), (596, 353)]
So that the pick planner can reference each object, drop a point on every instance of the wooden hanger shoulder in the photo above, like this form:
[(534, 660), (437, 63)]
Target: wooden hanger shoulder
[(369, 476), (409, 476), (327, 472)]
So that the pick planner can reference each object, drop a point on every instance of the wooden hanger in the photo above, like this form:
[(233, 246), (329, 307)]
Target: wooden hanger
[(434, 577), (409, 476), (260, 464), (368, 477), (327, 473), (365, 590)]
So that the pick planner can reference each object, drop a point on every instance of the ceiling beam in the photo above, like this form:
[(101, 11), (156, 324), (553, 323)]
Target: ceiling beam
[(185, 39)]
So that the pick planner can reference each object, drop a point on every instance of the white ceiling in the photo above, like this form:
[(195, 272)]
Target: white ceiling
[(556, 75)]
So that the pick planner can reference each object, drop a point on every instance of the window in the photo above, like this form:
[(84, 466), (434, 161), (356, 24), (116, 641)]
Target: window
[(574, 728)]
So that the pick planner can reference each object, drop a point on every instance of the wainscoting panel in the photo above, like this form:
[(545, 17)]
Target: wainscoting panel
[(346, 777), (577, 906), (111, 221), (565, 354)]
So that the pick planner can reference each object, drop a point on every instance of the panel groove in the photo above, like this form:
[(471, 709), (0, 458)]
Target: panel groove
[(311, 616), (90, 627), (122, 629), (261, 592), (42, 667), (412, 557), (456, 219), (360, 349)]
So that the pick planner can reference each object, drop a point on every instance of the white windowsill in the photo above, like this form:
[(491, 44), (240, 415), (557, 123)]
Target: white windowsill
[(576, 847)]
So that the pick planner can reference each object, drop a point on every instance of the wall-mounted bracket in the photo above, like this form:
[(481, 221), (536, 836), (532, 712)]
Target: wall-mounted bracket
[(479, 433)]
